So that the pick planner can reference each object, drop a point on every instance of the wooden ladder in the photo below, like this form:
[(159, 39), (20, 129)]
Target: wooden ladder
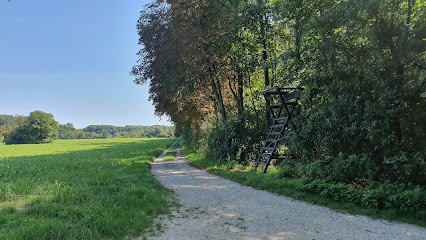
[(281, 101)]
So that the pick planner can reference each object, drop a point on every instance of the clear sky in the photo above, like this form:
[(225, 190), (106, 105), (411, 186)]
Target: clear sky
[(72, 58)]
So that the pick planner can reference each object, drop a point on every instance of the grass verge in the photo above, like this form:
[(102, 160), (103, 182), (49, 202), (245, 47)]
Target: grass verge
[(81, 189), (336, 196)]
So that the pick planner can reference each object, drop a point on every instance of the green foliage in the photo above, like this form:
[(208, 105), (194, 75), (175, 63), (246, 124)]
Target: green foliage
[(361, 120), (68, 131), (9, 127), (8, 124), (360, 169), (363, 91), (231, 140), (39, 127), (190, 137), (81, 189), (7, 119), (107, 131)]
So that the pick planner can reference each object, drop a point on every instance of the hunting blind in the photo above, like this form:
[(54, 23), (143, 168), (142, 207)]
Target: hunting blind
[(282, 102)]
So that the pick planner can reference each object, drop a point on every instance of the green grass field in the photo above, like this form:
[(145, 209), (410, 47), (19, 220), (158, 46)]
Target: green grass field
[(81, 189)]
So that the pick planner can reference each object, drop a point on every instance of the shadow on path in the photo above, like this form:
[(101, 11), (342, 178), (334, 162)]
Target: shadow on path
[(216, 208)]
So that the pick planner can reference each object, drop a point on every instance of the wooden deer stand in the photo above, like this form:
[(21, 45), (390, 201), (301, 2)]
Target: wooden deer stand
[(282, 102)]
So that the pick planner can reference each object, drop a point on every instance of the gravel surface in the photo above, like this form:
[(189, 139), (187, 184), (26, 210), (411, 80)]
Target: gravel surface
[(215, 208)]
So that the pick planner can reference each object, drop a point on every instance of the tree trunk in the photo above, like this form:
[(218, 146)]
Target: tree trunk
[(216, 88), (240, 94), (297, 36), (266, 68)]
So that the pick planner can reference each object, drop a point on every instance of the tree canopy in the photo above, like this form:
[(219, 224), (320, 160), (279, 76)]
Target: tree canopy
[(38, 127), (362, 65)]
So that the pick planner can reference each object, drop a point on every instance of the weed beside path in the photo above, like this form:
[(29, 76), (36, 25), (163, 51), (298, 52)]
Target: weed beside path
[(81, 189)]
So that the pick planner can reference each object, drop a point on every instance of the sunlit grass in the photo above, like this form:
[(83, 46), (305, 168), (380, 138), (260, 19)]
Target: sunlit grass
[(56, 147), (171, 154), (81, 189)]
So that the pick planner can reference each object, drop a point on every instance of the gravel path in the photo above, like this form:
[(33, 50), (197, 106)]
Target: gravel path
[(216, 208)]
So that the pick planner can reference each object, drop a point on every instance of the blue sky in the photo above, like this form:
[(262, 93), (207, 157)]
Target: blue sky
[(72, 58)]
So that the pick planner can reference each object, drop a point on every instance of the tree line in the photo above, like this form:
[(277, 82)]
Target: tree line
[(40, 127), (129, 131), (362, 117)]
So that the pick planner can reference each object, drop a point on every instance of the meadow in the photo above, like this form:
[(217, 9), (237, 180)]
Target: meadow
[(81, 189)]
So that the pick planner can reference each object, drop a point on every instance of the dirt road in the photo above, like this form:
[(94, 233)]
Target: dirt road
[(216, 208)]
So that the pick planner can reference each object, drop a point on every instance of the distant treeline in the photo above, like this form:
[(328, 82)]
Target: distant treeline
[(9, 123), (68, 131)]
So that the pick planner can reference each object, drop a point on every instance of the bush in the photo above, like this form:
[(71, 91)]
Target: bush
[(359, 169), (190, 137), (232, 140), (354, 168), (39, 127), (226, 139), (405, 168), (395, 196)]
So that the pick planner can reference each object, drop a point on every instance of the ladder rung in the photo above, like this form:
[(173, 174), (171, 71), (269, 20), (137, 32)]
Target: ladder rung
[(267, 148), (267, 94), (270, 141), (290, 95), (273, 133), (263, 163), (277, 106), (291, 103), (281, 157), (277, 126), (280, 119), (265, 155)]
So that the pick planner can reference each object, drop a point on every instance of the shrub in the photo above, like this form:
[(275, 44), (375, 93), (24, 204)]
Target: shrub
[(39, 127), (226, 139), (232, 140), (405, 168), (394, 196)]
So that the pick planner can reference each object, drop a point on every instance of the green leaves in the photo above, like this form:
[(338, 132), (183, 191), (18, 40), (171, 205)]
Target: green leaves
[(39, 127), (362, 64)]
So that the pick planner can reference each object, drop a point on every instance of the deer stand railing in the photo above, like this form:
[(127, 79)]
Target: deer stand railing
[(282, 102)]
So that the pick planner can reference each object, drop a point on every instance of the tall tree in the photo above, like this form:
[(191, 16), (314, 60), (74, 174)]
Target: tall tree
[(39, 127)]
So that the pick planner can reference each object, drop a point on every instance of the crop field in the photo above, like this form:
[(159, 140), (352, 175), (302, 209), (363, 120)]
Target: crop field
[(81, 189)]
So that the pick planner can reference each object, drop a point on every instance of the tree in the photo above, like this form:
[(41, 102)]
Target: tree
[(39, 127), (175, 62), (7, 119), (362, 64)]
